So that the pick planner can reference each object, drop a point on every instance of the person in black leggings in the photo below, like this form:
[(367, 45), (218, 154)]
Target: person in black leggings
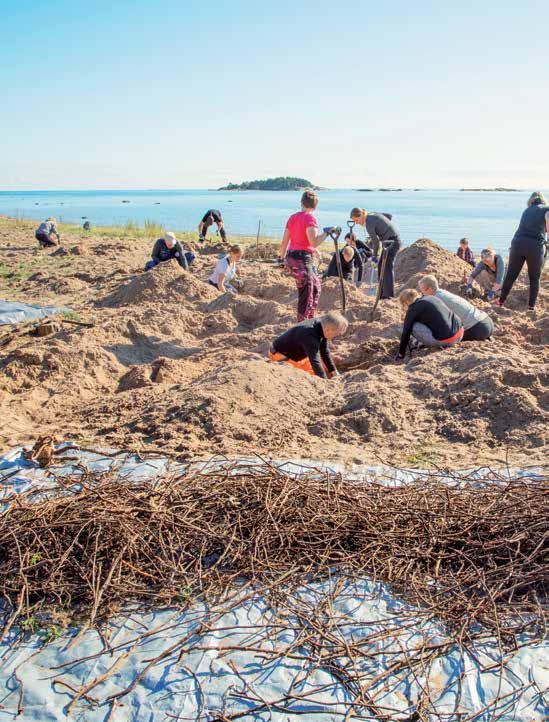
[(529, 244), (385, 241)]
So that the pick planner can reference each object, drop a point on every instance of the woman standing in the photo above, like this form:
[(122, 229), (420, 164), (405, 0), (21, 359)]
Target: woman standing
[(299, 243), (385, 240), (528, 244)]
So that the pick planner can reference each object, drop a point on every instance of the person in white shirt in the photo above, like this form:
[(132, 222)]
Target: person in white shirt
[(225, 271)]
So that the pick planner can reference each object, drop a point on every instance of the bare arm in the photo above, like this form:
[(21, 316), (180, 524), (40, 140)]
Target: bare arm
[(284, 244), (221, 283), (315, 236)]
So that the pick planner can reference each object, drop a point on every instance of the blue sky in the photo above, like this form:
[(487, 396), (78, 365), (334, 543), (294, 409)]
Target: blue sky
[(192, 94)]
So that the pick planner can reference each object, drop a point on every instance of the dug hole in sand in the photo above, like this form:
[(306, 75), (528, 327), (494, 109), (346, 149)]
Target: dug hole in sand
[(172, 366)]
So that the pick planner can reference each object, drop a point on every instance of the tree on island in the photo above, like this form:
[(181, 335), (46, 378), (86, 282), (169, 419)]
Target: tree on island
[(283, 183)]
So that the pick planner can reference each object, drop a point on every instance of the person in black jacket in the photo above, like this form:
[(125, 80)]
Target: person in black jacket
[(210, 217), (529, 244), (305, 346), (350, 259), (167, 249), (385, 238), (429, 321)]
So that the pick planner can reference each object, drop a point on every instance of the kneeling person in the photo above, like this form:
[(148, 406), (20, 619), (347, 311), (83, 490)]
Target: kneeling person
[(168, 248), (224, 275), (488, 274), (429, 321), (350, 259), (477, 324), (305, 346)]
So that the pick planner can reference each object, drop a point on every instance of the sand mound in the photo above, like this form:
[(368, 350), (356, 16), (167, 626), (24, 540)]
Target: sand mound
[(167, 283), (423, 257), (135, 378), (268, 282)]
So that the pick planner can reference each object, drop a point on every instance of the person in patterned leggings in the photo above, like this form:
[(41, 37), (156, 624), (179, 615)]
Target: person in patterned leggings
[(299, 243)]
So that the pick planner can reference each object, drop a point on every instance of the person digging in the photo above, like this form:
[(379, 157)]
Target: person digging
[(167, 249), (45, 232), (488, 274), (305, 346), (350, 259)]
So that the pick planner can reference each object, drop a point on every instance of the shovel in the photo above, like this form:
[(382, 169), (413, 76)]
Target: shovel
[(381, 275), (334, 235)]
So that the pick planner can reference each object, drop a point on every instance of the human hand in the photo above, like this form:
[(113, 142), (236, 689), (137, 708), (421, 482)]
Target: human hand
[(328, 229), (497, 287)]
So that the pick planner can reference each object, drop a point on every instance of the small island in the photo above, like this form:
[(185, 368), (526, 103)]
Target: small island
[(283, 183), (490, 190)]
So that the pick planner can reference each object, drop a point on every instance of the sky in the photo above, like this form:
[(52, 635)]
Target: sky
[(196, 94)]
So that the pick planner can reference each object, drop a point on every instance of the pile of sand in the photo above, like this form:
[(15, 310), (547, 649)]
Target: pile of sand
[(173, 365), (423, 257)]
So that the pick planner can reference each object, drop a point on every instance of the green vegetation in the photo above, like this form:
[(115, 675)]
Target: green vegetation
[(283, 183)]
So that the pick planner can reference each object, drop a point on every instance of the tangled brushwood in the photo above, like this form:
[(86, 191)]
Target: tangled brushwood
[(471, 553)]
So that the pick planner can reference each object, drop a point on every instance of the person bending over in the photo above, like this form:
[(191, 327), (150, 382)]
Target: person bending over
[(225, 271), (299, 243), (429, 321), (210, 217), (488, 274), (45, 232), (477, 324), (350, 259), (305, 346), (385, 240), (168, 248), (529, 244), (465, 253)]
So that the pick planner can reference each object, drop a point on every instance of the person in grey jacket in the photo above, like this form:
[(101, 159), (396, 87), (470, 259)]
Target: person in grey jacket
[(168, 248), (477, 324), (488, 274), (529, 245), (45, 232), (385, 240)]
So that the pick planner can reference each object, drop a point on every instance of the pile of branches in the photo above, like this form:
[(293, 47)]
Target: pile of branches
[(473, 554)]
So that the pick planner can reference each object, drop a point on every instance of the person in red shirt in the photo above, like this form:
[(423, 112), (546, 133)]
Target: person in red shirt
[(299, 243)]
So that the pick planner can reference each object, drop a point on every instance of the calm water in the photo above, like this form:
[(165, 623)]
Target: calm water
[(444, 216)]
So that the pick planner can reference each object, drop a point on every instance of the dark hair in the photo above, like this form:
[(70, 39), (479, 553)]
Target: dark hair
[(309, 199), (235, 249), (350, 236), (464, 240), (357, 212)]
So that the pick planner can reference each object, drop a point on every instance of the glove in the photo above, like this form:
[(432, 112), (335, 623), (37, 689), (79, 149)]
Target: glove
[(328, 229), (374, 259), (490, 295), (469, 290)]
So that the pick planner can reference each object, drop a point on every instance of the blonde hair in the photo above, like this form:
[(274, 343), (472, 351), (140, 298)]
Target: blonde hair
[(309, 199), (408, 296), (348, 252), (429, 282), (537, 199), (336, 320)]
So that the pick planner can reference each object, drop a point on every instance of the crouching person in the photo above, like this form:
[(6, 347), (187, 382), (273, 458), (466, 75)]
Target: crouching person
[(305, 345), (488, 274), (350, 259), (168, 248), (477, 324), (45, 233), (429, 321)]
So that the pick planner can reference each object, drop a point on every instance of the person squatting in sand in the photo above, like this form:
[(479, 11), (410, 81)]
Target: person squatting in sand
[(429, 321), (305, 345), (45, 232), (529, 245), (210, 217), (465, 253), (488, 273), (225, 271), (350, 259), (386, 241), (168, 248), (299, 243), (477, 324)]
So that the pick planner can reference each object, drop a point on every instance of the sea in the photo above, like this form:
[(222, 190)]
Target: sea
[(487, 218)]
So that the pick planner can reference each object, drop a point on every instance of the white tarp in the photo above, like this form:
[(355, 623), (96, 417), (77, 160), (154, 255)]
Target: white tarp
[(18, 312), (217, 660)]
